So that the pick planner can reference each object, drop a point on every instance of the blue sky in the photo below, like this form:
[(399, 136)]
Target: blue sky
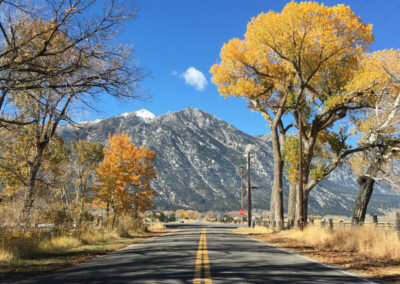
[(172, 38)]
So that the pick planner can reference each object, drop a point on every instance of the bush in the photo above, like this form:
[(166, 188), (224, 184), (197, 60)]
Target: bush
[(172, 218)]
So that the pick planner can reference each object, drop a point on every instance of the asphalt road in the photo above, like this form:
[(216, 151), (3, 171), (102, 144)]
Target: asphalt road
[(200, 253)]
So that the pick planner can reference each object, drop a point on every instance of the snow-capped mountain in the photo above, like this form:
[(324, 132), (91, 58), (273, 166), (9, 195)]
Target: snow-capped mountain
[(199, 156), (143, 114)]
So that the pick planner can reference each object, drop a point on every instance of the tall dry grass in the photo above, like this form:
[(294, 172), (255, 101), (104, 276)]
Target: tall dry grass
[(16, 244), (253, 231), (156, 227), (371, 241), (58, 244)]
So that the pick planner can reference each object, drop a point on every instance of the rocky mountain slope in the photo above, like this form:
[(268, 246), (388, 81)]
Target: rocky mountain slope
[(199, 156)]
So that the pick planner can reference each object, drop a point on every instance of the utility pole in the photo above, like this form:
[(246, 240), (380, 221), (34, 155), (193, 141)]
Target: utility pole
[(248, 191), (241, 191), (300, 123)]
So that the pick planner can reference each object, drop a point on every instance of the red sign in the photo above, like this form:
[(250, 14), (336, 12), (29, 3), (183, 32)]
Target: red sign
[(241, 212)]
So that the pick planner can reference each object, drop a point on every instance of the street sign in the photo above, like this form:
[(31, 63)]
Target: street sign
[(241, 212), (218, 213)]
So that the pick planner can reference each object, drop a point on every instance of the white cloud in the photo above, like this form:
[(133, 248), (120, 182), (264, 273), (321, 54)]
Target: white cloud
[(174, 73), (195, 78)]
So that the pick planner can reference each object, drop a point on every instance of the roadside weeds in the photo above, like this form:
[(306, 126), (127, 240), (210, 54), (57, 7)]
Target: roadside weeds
[(65, 251), (368, 251)]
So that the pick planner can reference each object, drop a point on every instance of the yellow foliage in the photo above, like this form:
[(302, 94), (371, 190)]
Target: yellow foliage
[(306, 43), (123, 178), (290, 153), (18, 151)]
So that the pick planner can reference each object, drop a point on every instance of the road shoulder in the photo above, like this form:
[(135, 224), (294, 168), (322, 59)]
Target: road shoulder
[(347, 262)]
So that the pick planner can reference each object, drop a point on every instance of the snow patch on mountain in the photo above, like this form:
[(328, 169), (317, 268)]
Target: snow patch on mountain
[(143, 114), (199, 157)]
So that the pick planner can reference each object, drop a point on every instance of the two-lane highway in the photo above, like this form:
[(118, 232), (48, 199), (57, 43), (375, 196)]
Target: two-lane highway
[(200, 253)]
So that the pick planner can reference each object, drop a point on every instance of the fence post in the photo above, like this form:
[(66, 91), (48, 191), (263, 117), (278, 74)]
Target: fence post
[(398, 224), (330, 224), (375, 219)]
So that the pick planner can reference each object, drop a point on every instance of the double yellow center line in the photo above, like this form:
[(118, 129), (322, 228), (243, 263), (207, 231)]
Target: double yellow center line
[(202, 253)]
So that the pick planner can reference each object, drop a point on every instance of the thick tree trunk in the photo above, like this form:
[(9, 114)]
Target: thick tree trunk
[(366, 183), (33, 172), (292, 204), (364, 195), (272, 207), (278, 172), (306, 191), (297, 207)]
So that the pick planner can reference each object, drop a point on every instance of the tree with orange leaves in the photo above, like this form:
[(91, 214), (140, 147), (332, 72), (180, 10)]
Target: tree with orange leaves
[(123, 178)]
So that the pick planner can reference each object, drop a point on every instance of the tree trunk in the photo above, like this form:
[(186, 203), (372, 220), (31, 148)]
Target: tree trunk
[(366, 183), (33, 171), (297, 207), (114, 217), (364, 195), (108, 208), (306, 191), (277, 196), (272, 207), (292, 204)]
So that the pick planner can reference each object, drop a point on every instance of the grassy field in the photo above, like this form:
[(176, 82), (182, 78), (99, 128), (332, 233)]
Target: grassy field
[(366, 250), (31, 255)]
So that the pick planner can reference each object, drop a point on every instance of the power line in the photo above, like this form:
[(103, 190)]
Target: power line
[(363, 6), (389, 15)]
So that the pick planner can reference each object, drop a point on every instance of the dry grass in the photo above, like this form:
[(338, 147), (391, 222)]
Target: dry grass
[(96, 236), (367, 249), (370, 241), (253, 231), (6, 255), (157, 227), (58, 244), (25, 254)]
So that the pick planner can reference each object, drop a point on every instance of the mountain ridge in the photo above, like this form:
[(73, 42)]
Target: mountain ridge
[(199, 155)]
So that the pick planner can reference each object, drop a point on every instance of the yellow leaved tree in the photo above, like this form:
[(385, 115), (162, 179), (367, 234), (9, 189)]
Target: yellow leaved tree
[(298, 60), (378, 127), (123, 178)]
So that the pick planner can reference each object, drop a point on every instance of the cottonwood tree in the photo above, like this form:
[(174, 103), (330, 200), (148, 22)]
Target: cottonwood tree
[(123, 178), (18, 152), (86, 157), (298, 60), (64, 58), (88, 27), (378, 127)]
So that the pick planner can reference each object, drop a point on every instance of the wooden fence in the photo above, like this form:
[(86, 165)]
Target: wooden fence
[(330, 223)]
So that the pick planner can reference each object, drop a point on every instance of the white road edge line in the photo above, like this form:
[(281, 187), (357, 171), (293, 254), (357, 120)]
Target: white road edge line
[(361, 277)]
